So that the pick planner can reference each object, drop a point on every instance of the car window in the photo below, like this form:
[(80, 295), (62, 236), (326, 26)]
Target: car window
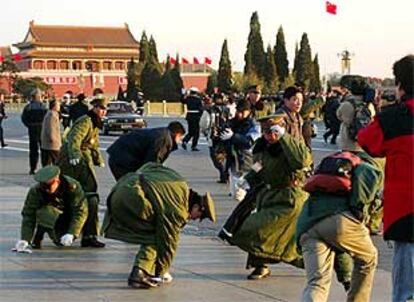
[(119, 108)]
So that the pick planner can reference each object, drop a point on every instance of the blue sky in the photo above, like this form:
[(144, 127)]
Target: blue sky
[(377, 32)]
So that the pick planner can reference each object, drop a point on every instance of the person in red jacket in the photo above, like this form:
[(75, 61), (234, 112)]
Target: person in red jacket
[(391, 135)]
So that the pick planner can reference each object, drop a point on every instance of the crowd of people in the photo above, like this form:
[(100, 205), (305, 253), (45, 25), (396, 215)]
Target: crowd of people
[(315, 217)]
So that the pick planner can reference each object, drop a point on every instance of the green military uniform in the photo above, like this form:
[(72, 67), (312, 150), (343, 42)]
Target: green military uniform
[(60, 213), (150, 208), (82, 142), (268, 234)]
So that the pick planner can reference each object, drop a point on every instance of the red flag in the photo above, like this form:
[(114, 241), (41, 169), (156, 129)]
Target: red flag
[(207, 61), (184, 60), (330, 8), (195, 61), (1, 59), (173, 61), (17, 57)]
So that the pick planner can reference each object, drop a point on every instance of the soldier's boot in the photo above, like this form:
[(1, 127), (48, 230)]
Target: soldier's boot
[(92, 242), (259, 273), (38, 237), (140, 279)]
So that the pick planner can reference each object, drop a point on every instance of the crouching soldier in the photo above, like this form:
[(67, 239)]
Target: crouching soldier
[(150, 207), (333, 222), (55, 205)]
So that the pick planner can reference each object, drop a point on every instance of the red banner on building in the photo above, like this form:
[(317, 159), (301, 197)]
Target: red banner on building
[(61, 80), (122, 80)]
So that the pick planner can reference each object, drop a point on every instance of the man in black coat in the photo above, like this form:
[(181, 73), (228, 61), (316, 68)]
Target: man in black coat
[(132, 150), (32, 118), (78, 109), (194, 112)]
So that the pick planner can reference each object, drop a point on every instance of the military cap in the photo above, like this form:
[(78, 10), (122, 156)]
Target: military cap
[(271, 120), (100, 102), (207, 205), (47, 173), (243, 105)]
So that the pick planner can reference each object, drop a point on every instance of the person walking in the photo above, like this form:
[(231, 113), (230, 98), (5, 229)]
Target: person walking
[(194, 112), (51, 140), (32, 118), (3, 116)]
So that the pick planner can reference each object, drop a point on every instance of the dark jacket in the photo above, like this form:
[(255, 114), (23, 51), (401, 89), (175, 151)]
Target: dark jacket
[(331, 106), (33, 114), (194, 107), (140, 146), (240, 146), (294, 122), (77, 110), (391, 135)]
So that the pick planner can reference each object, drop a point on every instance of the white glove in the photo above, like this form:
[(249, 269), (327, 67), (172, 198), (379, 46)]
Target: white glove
[(74, 161), (67, 239), (257, 166), (240, 194), (22, 246), (166, 278), (279, 130), (102, 165), (226, 135)]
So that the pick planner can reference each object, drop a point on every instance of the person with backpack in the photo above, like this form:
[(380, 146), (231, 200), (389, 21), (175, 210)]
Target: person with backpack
[(390, 135), (354, 111), (334, 219)]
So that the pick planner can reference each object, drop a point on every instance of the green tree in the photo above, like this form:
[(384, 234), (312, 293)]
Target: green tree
[(144, 48), (25, 86), (153, 49), (224, 77), (9, 71), (170, 91), (315, 80), (295, 61), (212, 82), (134, 80), (238, 80), (304, 71), (176, 76), (281, 57), (270, 73), (150, 80), (255, 56)]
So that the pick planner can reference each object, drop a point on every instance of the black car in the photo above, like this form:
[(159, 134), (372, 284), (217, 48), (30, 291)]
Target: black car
[(121, 116)]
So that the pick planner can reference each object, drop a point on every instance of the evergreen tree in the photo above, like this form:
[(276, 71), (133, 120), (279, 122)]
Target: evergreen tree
[(281, 57), (150, 80), (212, 82), (295, 62), (153, 49), (270, 73), (170, 90), (224, 77), (176, 76), (255, 56), (316, 81), (304, 69), (133, 77), (144, 48)]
